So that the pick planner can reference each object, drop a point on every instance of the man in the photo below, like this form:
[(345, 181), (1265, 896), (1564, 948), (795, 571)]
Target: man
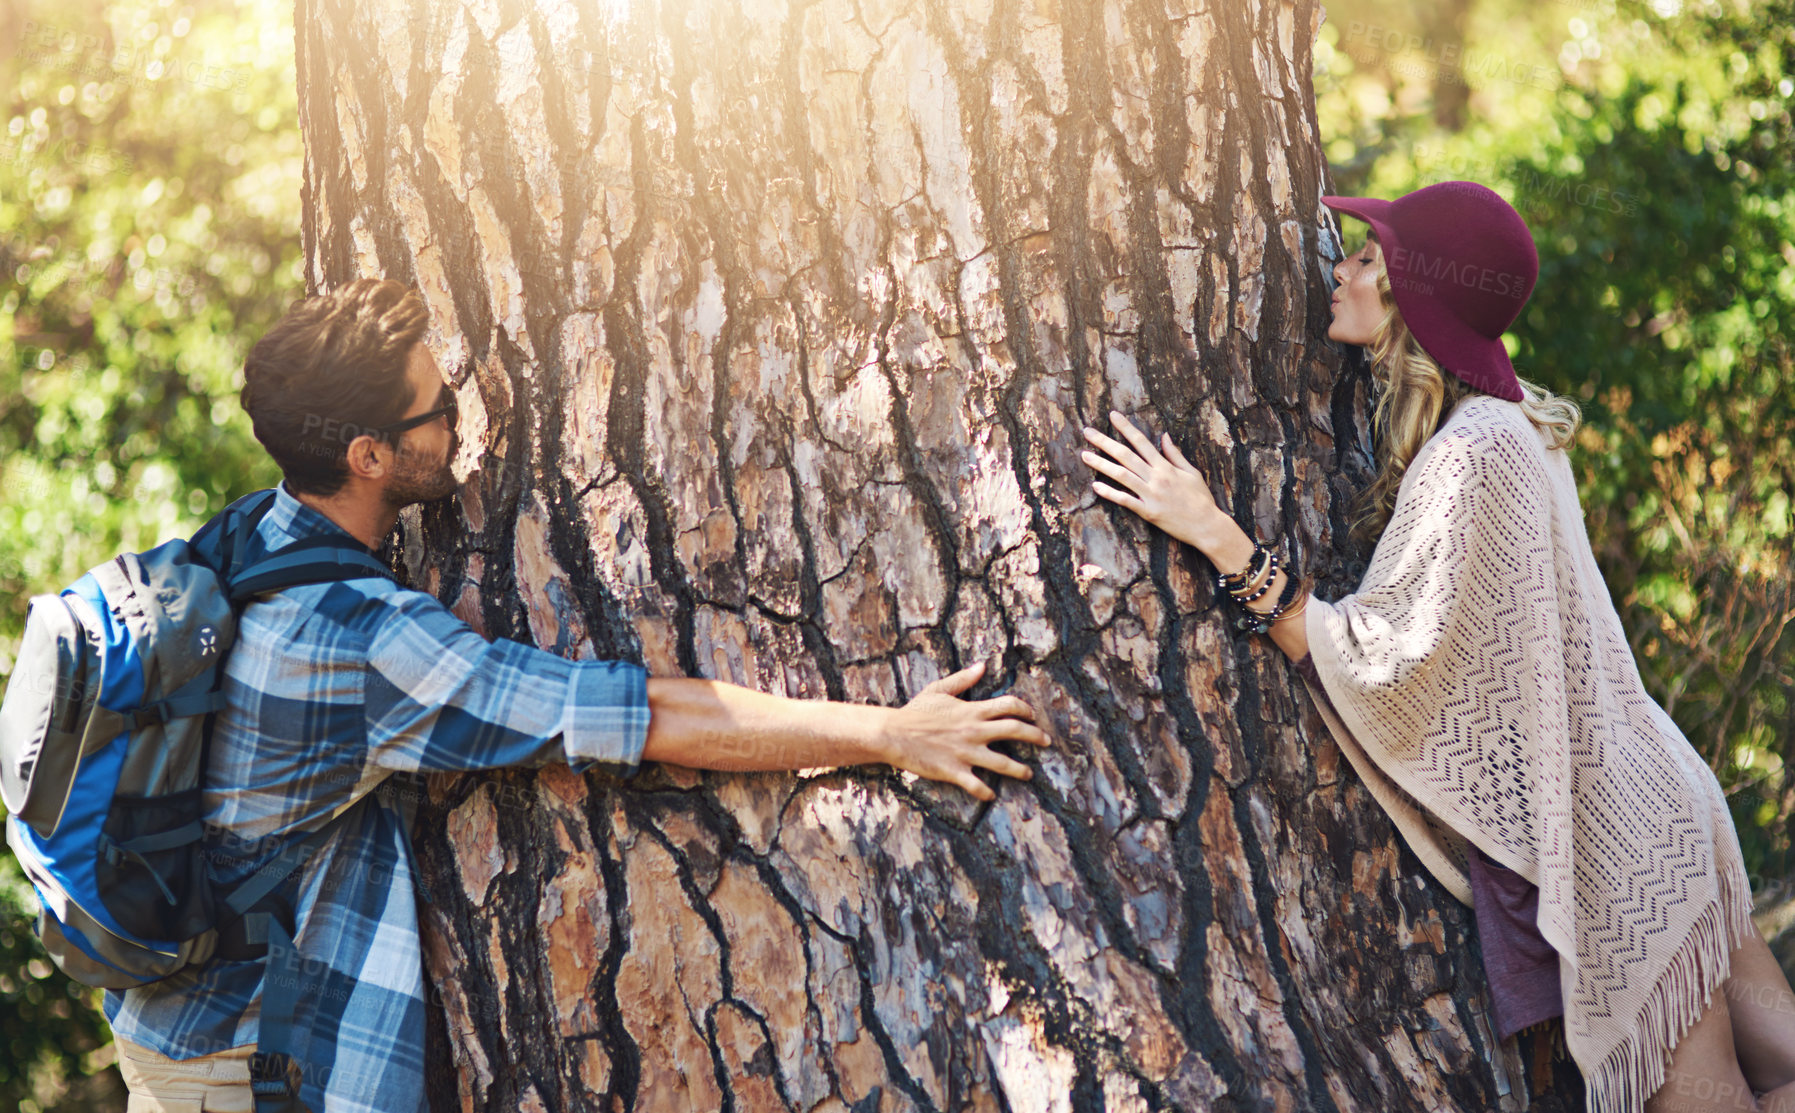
[(334, 688)]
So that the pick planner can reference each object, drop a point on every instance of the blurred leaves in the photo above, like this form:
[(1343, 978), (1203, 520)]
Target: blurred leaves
[(57, 1043), (149, 231), (149, 166)]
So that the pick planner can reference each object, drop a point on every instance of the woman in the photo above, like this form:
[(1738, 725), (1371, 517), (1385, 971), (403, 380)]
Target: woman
[(1480, 682)]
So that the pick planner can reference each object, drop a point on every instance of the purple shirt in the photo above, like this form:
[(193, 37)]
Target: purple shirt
[(1521, 966)]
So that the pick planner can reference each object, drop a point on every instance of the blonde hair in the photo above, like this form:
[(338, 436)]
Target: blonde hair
[(1417, 396)]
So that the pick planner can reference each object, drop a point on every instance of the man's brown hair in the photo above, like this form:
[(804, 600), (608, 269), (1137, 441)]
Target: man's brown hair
[(329, 371)]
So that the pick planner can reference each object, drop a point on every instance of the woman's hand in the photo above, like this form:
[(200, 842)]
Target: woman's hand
[(1161, 487)]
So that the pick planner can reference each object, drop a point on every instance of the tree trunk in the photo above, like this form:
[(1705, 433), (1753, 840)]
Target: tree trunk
[(1443, 26), (773, 327)]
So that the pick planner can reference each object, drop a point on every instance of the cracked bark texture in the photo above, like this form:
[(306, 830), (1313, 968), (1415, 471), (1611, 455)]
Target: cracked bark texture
[(773, 325)]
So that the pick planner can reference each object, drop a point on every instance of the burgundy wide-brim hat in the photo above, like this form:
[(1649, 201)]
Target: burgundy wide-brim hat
[(1462, 265)]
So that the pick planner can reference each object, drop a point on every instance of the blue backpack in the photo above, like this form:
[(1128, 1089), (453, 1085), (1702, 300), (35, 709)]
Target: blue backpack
[(105, 731)]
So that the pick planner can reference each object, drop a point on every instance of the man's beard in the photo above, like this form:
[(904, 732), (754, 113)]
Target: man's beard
[(421, 477)]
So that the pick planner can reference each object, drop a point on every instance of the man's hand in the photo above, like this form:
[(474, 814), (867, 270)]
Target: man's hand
[(709, 724), (942, 737)]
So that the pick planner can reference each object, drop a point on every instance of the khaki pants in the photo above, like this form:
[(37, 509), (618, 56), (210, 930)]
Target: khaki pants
[(216, 1083)]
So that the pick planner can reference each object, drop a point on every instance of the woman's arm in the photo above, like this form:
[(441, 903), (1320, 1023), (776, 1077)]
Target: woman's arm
[(1163, 488), (1228, 547)]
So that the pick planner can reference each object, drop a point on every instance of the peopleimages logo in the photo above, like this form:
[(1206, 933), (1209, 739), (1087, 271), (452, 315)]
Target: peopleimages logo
[(1419, 271), (1447, 61), (1531, 186)]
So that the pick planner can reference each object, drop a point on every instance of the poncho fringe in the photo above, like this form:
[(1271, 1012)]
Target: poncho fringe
[(1635, 1069), (1486, 692)]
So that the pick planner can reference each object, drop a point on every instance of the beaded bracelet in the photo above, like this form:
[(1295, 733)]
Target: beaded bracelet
[(1228, 581), (1247, 585), (1262, 623), (1294, 611), (1245, 596), (1268, 569)]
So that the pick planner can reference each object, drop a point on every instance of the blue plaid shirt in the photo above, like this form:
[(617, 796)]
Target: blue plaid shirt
[(333, 689)]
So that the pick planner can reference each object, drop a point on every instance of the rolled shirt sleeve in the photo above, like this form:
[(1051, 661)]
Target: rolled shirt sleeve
[(440, 697), (605, 722)]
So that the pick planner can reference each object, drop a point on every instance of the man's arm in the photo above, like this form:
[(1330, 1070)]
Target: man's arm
[(707, 724), (439, 696)]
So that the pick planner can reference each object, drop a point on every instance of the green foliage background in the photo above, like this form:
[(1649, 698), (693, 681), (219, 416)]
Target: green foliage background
[(149, 231)]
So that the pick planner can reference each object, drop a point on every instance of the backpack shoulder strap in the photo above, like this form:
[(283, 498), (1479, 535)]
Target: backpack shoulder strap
[(273, 1071), (313, 560), (221, 541), (283, 865)]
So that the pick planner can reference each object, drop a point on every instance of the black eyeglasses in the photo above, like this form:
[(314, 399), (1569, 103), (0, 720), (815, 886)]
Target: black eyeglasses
[(446, 409)]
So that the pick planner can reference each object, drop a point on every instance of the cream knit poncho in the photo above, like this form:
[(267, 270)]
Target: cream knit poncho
[(1488, 693)]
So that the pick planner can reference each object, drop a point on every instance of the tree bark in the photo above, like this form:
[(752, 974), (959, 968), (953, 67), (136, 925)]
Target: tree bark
[(773, 327)]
